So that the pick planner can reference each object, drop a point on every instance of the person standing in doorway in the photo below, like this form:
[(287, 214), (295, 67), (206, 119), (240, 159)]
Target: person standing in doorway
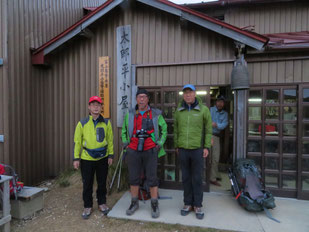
[(93, 152), (192, 139), (219, 123), (144, 132)]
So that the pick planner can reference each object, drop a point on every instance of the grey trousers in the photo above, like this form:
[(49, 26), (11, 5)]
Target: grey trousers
[(215, 157)]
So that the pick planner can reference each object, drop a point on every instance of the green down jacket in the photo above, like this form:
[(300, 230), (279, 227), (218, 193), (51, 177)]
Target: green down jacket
[(192, 128)]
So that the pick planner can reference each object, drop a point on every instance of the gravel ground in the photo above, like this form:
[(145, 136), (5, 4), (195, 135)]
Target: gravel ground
[(63, 207)]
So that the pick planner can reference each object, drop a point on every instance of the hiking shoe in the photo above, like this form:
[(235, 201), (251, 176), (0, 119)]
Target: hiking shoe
[(104, 209), (155, 212), (185, 210), (215, 182), (133, 207), (86, 213), (199, 213)]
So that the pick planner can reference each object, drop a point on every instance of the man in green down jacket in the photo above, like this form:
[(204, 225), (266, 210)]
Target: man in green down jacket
[(192, 138), (144, 132), (93, 152)]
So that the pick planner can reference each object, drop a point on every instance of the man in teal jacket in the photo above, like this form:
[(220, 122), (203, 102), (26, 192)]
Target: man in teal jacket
[(144, 132), (93, 152), (192, 138)]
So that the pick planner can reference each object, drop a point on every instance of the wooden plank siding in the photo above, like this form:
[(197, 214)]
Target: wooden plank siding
[(4, 101), (271, 18), (157, 37), (50, 101), (279, 72), (32, 23)]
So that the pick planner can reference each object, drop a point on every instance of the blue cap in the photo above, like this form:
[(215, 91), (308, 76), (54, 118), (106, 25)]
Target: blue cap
[(189, 86)]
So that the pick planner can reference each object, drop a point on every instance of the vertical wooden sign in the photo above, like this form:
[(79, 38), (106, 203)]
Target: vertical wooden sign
[(104, 85), (123, 72)]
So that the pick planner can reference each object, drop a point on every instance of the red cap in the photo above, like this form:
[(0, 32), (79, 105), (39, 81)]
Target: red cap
[(95, 98)]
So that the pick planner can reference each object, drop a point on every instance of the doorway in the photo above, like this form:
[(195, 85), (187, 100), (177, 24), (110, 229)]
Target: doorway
[(169, 171)]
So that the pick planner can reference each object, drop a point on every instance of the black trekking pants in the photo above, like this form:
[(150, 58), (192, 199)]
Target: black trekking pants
[(192, 162), (88, 170)]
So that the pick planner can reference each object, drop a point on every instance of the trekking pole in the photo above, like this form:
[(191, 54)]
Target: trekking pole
[(119, 176), (115, 173)]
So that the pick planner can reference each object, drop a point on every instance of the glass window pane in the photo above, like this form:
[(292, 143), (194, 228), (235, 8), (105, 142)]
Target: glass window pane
[(289, 95), (255, 97), (271, 130), (170, 127), (288, 182), (158, 97), (170, 97), (305, 165), (169, 143), (306, 112), (272, 163), (289, 163), (271, 146), (305, 130), (289, 129), (254, 146), (202, 94), (170, 158), (306, 95), (271, 180), (255, 113), (169, 174), (306, 147), (305, 183), (151, 97), (168, 112), (272, 112), (289, 113), (289, 146), (254, 129), (272, 96), (257, 160)]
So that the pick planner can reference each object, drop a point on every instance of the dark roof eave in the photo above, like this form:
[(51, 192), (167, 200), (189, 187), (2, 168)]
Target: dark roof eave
[(251, 39), (39, 53), (229, 3)]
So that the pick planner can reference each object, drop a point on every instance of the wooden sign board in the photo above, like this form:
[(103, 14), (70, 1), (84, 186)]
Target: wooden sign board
[(104, 85)]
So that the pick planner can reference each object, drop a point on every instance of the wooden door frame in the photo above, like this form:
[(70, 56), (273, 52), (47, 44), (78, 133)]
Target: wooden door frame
[(177, 184)]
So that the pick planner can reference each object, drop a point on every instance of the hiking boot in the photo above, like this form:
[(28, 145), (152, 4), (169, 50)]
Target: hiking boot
[(185, 210), (104, 209), (199, 213), (133, 207), (215, 182), (155, 212), (86, 213)]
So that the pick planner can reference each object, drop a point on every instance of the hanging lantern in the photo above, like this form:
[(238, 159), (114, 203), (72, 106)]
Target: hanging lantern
[(240, 75)]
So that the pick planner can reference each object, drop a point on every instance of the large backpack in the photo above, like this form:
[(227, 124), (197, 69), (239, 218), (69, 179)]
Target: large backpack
[(15, 185), (248, 187)]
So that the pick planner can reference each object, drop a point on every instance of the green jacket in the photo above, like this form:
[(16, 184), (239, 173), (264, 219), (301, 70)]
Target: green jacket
[(93, 138), (160, 129), (192, 128)]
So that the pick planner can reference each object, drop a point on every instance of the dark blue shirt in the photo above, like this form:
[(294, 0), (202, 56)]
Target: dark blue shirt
[(219, 117)]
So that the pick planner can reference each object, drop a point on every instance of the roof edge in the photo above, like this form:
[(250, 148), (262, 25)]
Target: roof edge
[(76, 25)]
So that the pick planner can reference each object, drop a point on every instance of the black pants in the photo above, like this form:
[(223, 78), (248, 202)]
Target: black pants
[(88, 169), (140, 161), (191, 167)]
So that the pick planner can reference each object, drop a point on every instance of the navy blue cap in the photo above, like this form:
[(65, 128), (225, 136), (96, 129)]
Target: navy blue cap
[(189, 86), (142, 91), (221, 97)]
